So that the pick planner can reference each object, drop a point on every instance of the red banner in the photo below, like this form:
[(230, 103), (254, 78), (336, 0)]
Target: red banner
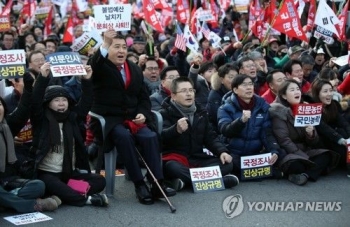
[(150, 15), (288, 22)]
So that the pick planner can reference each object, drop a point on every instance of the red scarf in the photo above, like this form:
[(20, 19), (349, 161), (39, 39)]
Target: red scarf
[(167, 91), (127, 75), (244, 105), (134, 128), (176, 157)]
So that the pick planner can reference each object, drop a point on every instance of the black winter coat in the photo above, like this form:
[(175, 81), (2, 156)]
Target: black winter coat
[(191, 142), (40, 123)]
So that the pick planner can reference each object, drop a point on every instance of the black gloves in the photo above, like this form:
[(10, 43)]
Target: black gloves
[(28, 81)]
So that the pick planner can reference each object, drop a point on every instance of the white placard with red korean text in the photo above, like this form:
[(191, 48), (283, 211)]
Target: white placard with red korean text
[(307, 114), (66, 64), (12, 64), (206, 179), (24, 219), (117, 17), (255, 166), (87, 41)]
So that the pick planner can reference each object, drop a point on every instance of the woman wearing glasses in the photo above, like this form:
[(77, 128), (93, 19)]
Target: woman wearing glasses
[(244, 120)]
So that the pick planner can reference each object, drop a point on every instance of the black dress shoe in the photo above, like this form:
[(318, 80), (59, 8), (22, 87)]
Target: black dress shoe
[(156, 193), (143, 195)]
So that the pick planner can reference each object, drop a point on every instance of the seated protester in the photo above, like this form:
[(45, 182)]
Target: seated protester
[(244, 120), (330, 75), (308, 62), (293, 70), (304, 161), (128, 107), (221, 84), (334, 138), (151, 75), (186, 130), (58, 144), (167, 75), (16, 193), (248, 67), (274, 80), (200, 73)]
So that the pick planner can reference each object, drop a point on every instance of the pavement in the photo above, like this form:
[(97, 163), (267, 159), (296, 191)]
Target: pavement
[(206, 209)]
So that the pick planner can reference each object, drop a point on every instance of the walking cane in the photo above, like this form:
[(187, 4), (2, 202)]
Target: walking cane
[(172, 208)]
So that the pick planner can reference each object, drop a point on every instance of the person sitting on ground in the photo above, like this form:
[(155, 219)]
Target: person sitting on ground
[(22, 195), (244, 120), (186, 131), (58, 143), (167, 75), (304, 160), (221, 84)]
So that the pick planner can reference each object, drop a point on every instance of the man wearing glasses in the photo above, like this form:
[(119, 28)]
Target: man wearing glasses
[(151, 75), (167, 75), (248, 67), (186, 131)]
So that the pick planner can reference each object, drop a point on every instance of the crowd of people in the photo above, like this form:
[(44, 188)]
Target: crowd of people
[(217, 105)]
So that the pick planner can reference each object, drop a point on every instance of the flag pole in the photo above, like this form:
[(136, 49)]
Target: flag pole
[(272, 23)]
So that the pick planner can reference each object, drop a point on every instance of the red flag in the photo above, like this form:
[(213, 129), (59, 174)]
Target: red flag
[(182, 11), (150, 15), (7, 9), (270, 11), (343, 17), (48, 24), (215, 11), (160, 4), (256, 16), (311, 15), (167, 15), (137, 11), (193, 21), (68, 33), (288, 22)]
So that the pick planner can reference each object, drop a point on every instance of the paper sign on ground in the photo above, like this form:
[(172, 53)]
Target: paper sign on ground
[(117, 17), (87, 41), (255, 166), (66, 64), (307, 114), (12, 64), (206, 179), (23, 219)]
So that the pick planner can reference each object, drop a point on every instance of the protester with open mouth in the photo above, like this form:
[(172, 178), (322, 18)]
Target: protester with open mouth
[(304, 161), (337, 129)]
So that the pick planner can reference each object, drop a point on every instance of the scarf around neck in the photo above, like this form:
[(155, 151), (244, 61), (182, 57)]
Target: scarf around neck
[(186, 111), (244, 105), (54, 118), (7, 146)]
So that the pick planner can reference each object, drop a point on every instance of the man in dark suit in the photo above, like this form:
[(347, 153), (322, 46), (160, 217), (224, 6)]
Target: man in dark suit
[(121, 97)]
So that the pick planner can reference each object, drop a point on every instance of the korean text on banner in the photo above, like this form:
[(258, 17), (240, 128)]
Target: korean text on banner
[(206, 179), (12, 64), (66, 64), (307, 114), (255, 166), (117, 17), (87, 41)]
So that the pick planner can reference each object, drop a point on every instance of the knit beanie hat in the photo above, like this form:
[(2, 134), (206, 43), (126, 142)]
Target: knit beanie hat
[(55, 91)]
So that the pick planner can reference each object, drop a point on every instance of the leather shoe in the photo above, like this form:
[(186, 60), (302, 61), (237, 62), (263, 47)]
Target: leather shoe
[(156, 193), (143, 195)]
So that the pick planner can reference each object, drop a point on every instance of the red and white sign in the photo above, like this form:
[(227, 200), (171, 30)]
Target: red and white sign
[(307, 114), (117, 17)]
